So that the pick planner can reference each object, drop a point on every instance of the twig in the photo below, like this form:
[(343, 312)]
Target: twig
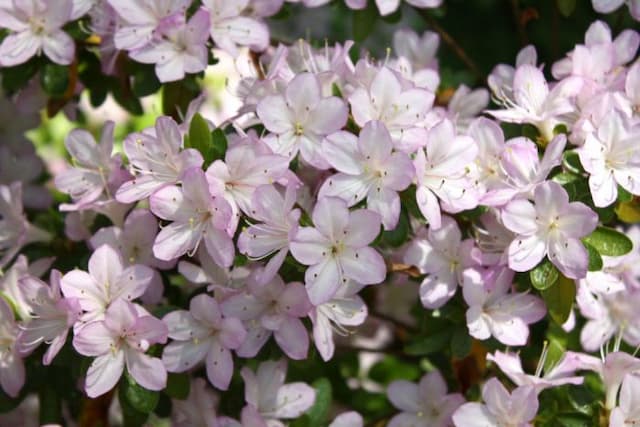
[(452, 43)]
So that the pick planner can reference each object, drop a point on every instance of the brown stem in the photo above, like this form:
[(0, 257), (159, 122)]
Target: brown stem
[(452, 43)]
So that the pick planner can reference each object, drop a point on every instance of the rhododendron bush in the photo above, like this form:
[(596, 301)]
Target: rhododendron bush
[(314, 213)]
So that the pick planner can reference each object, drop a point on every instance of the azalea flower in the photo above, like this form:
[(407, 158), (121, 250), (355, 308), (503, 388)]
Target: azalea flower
[(52, 316), (552, 226), (122, 338), (345, 309), (608, 6), (397, 105), (500, 407), (442, 170), (197, 215), (141, 18), (107, 281), (229, 28), (348, 419), (179, 48), (301, 118), (426, 404), (612, 158), (11, 289), (534, 103), (12, 372), (271, 308), (627, 413), (36, 26), (278, 227), (269, 399), (198, 409), (368, 168), (337, 250), (442, 256), (156, 160), (202, 333), (494, 311)]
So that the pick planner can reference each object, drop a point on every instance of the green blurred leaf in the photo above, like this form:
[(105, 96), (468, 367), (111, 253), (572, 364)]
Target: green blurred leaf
[(391, 368), (220, 144), (623, 195), (15, 78), (595, 260), (364, 21), (54, 79), (609, 242), (566, 7), (428, 345), (50, 405), (544, 275), (461, 343), (399, 235), (144, 80), (559, 299), (178, 386), (319, 412), (200, 138), (140, 399), (571, 162)]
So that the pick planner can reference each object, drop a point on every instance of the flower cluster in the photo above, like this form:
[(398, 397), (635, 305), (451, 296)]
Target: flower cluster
[(336, 181)]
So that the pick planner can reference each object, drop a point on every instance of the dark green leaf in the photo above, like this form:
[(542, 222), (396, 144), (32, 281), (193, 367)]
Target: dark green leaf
[(144, 80), (623, 195), (364, 21), (595, 260), (461, 343), (140, 399), (178, 386), (544, 275), (566, 7), (219, 144), (559, 299), (428, 345), (571, 162), (50, 405), (54, 79), (609, 242), (200, 138), (391, 368), (319, 412), (399, 235), (15, 78)]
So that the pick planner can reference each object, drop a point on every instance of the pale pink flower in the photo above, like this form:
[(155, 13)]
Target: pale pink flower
[(612, 157), (337, 249), (534, 103), (442, 255), (301, 118), (197, 215), (395, 103), (425, 404), (500, 408), (494, 311), (442, 173), (11, 289), (12, 373), (278, 227), (229, 28), (157, 160), (245, 167), (15, 230), (122, 338), (348, 419), (197, 410), (269, 399), (271, 308), (608, 6), (561, 373), (52, 316), (420, 51), (180, 46), (203, 334), (368, 169), (500, 81), (627, 413), (36, 26), (346, 309), (140, 19), (552, 226), (107, 281), (134, 240)]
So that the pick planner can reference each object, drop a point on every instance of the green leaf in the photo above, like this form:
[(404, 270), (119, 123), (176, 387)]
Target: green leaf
[(144, 80), (461, 343), (15, 78), (178, 386), (595, 260), (219, 144), (50, 405), (559, 299), (54, 79), (571, 162), (200, 139), (428, 345), (544, 275), (364, 21), (140, 399), (566, 7), (399, 235), (176, 96), (609, 242), (623, 195), (392, 368), (319, 412)]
